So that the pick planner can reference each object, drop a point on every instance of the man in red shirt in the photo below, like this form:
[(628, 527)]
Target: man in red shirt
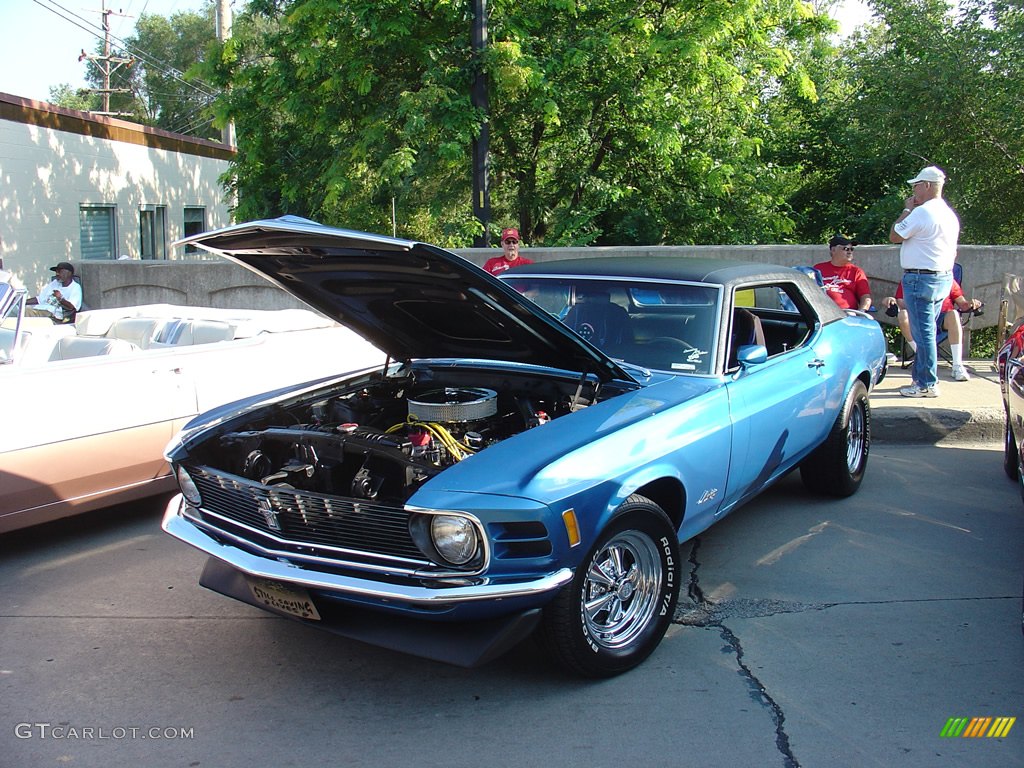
[(510, 253), (845, 282)]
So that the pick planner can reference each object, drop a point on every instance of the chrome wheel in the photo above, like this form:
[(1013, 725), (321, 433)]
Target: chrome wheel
[(621, 591), (622, 597), (856, 434), (836, 467)]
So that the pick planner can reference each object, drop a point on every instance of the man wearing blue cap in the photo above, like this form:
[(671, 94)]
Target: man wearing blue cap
[(927, 231)]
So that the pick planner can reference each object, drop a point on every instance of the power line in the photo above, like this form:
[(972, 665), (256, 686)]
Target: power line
[(151, 62), (192, 120)]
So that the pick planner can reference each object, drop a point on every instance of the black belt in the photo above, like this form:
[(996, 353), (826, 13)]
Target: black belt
[(927, 271)]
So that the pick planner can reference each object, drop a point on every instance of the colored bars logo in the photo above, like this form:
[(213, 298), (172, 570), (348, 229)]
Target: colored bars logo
[(977, 727)]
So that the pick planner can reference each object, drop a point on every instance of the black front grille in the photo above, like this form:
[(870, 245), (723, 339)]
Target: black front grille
[(302, 517)]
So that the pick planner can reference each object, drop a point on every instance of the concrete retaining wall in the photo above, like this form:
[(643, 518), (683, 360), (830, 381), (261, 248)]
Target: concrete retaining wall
[(224, 284)]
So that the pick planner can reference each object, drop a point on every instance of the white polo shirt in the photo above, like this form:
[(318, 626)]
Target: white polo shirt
[(929, 235)]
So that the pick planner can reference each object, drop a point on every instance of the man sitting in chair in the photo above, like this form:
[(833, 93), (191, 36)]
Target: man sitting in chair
[(949, 318), (844, 282), (60, 299)]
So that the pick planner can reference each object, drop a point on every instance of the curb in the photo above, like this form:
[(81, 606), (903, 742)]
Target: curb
[(964, 412), (935, 425)]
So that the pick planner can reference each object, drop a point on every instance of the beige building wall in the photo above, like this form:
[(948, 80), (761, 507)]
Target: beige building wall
[(55, 162)]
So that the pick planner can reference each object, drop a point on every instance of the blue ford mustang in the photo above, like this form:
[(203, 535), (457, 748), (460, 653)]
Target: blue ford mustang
[(531, 453)]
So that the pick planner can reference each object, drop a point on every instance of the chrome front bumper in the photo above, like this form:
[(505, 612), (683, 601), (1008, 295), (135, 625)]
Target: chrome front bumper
[(253, 565)]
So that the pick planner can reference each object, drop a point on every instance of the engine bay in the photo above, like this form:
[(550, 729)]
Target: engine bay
[(381, 437)]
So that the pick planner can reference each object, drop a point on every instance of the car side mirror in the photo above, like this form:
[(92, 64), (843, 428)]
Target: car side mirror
[(751, 354)]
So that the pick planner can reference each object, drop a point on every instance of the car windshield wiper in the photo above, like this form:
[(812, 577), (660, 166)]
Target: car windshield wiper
[(645, 372)]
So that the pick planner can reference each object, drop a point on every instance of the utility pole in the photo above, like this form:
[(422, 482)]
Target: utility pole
[(105, 61), (223, 34), (481, 144)]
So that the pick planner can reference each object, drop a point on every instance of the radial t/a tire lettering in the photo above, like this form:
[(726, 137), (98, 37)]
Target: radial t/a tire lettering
[(621, 601), (837, 466)]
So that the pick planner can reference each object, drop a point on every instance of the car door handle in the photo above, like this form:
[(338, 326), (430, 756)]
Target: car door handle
[(817, 363)]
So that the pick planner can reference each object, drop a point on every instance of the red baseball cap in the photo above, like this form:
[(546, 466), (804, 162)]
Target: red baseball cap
[(508, 232)]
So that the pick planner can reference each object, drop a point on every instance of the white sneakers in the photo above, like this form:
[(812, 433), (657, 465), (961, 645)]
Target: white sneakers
[(959, 374), (915, 391)]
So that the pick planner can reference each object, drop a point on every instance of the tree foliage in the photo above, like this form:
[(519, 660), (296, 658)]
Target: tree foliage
[(162, 89), (64, 95), (923, 85), (644, 123), (611, 121)]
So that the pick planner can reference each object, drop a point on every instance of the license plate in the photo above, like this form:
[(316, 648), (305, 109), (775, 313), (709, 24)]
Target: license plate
[(284, 598)]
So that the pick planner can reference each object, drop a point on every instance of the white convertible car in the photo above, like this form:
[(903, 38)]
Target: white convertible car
[(89, 407)]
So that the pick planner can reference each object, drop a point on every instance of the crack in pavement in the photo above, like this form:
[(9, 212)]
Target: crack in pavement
[(708, 614)]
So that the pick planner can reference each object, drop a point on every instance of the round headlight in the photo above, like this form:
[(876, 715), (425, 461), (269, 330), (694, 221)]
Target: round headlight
[(455, 538), (188, 488)]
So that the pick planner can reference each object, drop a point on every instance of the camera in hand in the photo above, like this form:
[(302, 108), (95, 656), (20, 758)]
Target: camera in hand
[(892, 310)]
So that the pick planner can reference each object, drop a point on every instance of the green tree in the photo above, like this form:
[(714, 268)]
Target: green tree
[(64, 95), (645, 123), (611, 121), (162, 87), (924, 85), (342, 107)]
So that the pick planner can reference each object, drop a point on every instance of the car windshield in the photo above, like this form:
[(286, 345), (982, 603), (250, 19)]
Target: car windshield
[(9, 322), (666, 326)]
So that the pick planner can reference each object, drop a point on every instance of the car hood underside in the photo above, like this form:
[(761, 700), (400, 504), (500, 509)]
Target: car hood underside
[(412, 300)]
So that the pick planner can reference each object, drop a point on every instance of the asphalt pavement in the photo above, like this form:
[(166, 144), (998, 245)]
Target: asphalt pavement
[(965, 411), (811, 633)]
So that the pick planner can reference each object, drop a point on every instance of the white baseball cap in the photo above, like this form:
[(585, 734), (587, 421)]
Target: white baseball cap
[(931, 173)]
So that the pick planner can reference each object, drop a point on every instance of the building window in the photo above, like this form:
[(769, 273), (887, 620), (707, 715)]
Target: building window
[(153, 231), (195, 223), (96, 231)]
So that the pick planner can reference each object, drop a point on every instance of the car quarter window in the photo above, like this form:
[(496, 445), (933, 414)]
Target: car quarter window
[(781, 315)]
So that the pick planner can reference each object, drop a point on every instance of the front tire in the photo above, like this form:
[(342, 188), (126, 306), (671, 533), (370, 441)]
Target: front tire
[(1011, 456), (621, 601), (837, 466)]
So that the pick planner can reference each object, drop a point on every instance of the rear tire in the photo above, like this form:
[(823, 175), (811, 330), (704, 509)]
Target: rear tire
[(836, 467), (615, 611)]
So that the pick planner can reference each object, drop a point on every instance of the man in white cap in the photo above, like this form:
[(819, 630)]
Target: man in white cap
[(926, 230)]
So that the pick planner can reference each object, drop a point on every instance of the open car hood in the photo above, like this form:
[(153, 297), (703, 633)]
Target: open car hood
[(411, 300)]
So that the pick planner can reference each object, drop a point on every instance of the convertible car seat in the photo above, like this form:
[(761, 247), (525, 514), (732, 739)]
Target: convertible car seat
[(75, 347), (186, 332)]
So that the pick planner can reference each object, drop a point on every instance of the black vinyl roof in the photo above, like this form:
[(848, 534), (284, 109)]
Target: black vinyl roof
[(729, 273), (701, 270)]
